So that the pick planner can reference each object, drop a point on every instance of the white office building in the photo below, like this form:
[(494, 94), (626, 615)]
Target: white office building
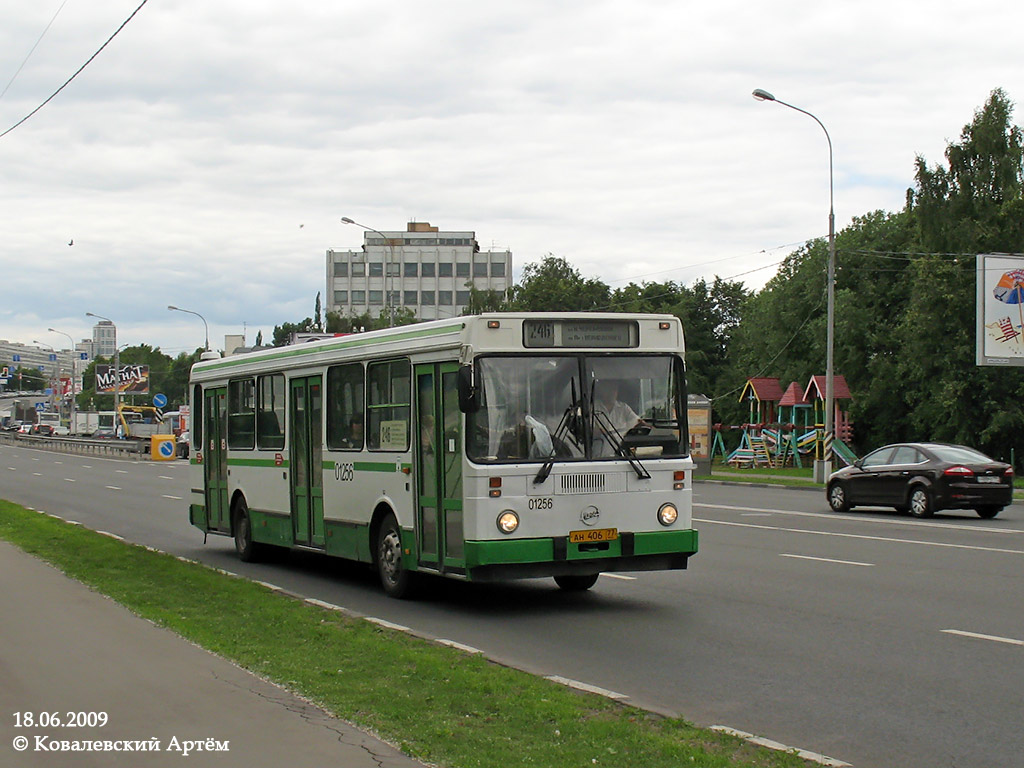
[(426, 270), (104, 339)]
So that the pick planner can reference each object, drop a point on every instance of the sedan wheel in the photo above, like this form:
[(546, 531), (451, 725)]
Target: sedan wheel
[(837, 498), (920, 503), (989, 511)]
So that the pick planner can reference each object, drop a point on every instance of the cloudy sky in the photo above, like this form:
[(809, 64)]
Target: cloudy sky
[(205, 157)]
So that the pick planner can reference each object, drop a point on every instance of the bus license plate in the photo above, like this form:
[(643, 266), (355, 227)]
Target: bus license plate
[(597, 534)]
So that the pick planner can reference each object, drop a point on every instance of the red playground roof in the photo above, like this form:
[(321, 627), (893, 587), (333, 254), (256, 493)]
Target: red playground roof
[(816, 389), (765, 390), (793, 396)]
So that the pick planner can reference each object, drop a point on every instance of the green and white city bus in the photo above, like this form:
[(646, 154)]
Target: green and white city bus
[(502, 446)]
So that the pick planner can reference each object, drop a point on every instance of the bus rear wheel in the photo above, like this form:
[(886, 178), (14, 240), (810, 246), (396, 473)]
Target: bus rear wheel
[(397, 581), (576, 583), (248, 550)]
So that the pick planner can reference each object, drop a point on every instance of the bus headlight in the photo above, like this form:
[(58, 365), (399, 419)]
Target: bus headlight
[(668, 514), (508, 521)]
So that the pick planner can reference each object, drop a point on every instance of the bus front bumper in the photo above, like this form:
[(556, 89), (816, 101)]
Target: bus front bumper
[(530, 558)]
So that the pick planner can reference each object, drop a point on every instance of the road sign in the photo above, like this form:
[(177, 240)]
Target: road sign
[(40, 407), (5, 373), (159, 400), (16, 358)]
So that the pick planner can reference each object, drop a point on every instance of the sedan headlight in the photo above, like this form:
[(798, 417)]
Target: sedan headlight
[(508, 521), (668, 514)]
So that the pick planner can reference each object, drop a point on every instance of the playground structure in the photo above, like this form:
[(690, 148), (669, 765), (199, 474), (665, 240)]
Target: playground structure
[(787, 428)]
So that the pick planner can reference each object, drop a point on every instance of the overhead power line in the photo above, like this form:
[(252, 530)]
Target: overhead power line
[(33, 50), (78, 72)]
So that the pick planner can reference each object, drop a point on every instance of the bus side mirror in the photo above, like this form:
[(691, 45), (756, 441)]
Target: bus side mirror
[(469, 401)]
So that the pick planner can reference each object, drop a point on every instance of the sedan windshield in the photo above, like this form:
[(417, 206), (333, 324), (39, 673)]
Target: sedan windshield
[(576, 407)]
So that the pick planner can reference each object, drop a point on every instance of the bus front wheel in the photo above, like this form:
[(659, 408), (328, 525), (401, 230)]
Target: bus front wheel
[(394, 577), (576, 583)]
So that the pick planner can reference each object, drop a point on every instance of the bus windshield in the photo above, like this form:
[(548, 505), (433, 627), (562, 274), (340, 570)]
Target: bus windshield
[(539, 408)]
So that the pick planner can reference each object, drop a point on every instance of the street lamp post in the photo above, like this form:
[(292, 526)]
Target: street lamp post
[(823, 468), (387, 265), (189, 311), (117, 373), (74, 376)]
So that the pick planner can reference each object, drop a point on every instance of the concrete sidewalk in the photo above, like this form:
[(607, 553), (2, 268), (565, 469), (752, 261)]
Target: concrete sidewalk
[(65, 649)]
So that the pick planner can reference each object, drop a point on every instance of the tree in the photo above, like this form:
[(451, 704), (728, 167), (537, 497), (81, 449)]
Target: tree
[(554, 285)]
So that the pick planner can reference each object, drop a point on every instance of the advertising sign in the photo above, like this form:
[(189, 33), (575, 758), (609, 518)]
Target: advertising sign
[(1000, 309), (134, 379)]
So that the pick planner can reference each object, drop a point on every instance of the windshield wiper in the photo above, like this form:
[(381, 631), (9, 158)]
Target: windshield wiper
[(565, 428), (612, 436)]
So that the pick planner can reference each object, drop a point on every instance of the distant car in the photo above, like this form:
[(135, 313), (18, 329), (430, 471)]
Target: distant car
[(923, 478), (183, 445), (61, 431), (13, 426), (104, 433), (24, 429), (44, 430)]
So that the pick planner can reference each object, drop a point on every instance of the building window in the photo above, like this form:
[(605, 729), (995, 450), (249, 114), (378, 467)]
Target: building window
[(427, 298), (341, 297), (376, 297), (341, 269), (376, 269), (480, 269), (358, 297), (411, 298), (444, 269), (358, 269), (412, 269), (427, 269), (394, 269), (444, 298), (462, 298), (462, 269), (497, 269)]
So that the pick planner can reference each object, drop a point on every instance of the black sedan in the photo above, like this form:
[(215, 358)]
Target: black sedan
[(923, 478)]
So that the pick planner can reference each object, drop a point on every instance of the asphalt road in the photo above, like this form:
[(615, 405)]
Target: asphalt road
[(871, 637)]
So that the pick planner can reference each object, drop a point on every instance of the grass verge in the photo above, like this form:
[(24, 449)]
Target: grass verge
[(438, 704)]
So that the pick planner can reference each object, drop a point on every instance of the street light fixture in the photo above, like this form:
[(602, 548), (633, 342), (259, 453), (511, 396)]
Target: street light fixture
[(74, 377), (117, 373), (823, 468), (387, 265), (189, 311)]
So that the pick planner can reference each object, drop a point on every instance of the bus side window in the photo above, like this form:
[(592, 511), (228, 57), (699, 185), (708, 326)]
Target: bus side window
[(270, 402)]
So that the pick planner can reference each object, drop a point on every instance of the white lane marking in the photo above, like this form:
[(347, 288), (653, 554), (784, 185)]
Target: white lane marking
[(37, 474), (121, 471), (70, 480), (112, 487), (763, 742), (977, 636), (862, 536), (619, 576), (863, 519), (87, 466), (177, 498), (828, 560), (165, 477)]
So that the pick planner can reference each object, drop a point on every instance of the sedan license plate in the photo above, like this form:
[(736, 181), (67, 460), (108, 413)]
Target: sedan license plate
[(596, 534), (988, 479)]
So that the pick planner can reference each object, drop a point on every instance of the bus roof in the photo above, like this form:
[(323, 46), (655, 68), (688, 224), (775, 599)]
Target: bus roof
[(489, 332)]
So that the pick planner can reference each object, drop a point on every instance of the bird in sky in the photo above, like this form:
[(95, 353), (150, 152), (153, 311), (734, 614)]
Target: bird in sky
[(71, 241)]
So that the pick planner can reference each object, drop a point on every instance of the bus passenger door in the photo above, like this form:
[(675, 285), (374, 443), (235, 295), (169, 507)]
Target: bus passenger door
[(215, 462), (439, 467), (306, 461)]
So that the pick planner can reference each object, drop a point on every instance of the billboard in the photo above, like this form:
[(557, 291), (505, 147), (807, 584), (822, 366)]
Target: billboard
[(1000, 324), (134, 379)]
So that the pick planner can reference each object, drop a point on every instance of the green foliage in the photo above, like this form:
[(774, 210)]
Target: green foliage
[(905, 302), (554, 285)]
